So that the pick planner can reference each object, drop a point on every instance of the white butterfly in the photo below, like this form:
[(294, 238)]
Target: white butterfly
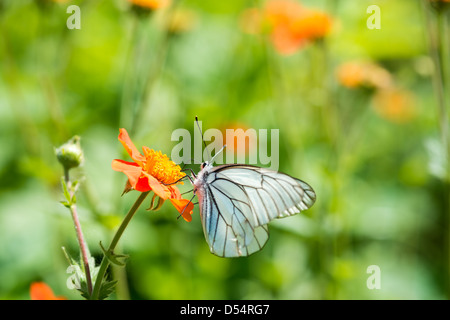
[(238, 201)]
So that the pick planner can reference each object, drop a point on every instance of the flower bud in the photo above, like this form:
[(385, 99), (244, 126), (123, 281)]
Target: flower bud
[(70, 154)]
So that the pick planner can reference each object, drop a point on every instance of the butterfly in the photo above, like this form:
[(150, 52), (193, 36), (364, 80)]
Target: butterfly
[(237, 202)]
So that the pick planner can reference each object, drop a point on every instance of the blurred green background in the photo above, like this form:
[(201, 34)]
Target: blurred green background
[(375, 160)]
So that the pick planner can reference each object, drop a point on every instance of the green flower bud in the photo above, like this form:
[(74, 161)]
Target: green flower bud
[(70, 154)]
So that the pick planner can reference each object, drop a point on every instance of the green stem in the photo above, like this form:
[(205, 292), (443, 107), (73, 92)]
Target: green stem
[(435, 48), (437, 42), (105, 262), (442, 41), (440, 81)]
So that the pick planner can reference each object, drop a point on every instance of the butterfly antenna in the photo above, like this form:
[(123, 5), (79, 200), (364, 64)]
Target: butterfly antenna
[(220, 151), (204, 143)]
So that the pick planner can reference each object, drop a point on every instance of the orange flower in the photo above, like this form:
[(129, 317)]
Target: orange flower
[(150, 4), (41, 291), (153, 171), (355, 74), (244, 141), (395, 105), (311, 25), (279, 12), (290, 24)]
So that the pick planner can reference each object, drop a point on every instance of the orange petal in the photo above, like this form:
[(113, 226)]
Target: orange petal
[(284, 41), (124, 138), (142, 184), (131, 169), (158, 188), (174, 193), (41, 291), (184, 207)]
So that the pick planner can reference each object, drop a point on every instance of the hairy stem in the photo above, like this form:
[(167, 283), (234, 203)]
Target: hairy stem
[(79, 232)]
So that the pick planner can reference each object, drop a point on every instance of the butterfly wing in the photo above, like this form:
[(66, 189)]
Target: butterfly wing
[(238, 201), (227, 221)]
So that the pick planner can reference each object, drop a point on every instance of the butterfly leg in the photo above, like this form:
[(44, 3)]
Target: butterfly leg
[(182, 211), (192, 172), (189, 191), (172, 183)]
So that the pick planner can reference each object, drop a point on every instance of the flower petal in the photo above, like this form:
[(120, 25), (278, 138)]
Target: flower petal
[(174, 193), (131, 169), (285, 41), (184, 207), (142, 184), (161, 190), (124, 138), (41, 291)]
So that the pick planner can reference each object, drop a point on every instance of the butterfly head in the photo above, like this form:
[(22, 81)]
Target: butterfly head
[(197, 181), (206, 165)]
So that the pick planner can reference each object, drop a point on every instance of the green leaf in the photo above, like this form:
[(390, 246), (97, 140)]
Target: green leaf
[(112, 257), (77, 279), (66, 204), (68, 257), (65, 190), (75, 185), (106, 289)]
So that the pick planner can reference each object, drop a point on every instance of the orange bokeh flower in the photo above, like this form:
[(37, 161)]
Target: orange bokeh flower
[(150, 4), (355, 74), (280, 12), (312, 24), (240, 138), (155, 172), (41, 291), (289, 24), (395, 105)]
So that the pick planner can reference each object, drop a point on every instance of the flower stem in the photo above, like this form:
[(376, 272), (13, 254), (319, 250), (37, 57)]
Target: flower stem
[(105, 261), (79, 232), (437, 50)]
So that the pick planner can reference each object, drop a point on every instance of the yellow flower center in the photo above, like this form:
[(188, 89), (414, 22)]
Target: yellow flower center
[(161, 167)]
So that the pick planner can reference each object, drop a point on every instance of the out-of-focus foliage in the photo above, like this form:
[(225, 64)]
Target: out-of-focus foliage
[(358, 119)]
